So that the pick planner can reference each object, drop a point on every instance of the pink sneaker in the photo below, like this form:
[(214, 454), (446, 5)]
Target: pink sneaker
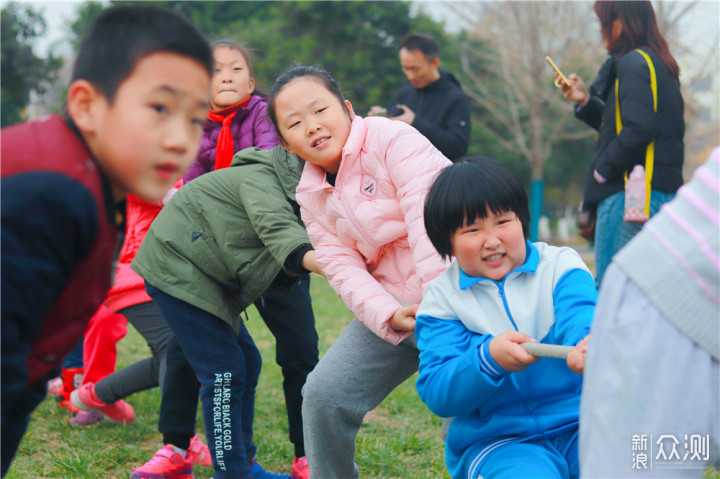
[(84, 398), (300, 468), (198, 453), (165, 464)]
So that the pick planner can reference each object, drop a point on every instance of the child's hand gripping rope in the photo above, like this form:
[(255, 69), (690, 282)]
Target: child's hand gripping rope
[(575, 356), (547, 350)]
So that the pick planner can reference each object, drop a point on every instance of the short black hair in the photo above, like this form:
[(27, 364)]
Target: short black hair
[(123, 35), (424, 43), (465, 191), (302, 71)]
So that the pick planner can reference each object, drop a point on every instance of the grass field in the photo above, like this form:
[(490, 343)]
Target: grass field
[(399, 439)]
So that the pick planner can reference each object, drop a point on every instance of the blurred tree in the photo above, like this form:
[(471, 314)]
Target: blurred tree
[(699, 63), (513, 84), (357, 42), (512, 81), (21, 70), (212, 16), (208, 16), (84, 15)]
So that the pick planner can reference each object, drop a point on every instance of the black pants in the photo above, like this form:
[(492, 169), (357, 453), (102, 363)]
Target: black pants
[(16, 417), (289, 317)]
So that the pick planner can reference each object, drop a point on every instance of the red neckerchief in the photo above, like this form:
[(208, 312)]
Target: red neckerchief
[(224, 150)]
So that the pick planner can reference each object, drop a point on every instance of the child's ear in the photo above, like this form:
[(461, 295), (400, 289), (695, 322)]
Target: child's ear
[(351, 112), (251, 85), (82, 105), (287, 146)]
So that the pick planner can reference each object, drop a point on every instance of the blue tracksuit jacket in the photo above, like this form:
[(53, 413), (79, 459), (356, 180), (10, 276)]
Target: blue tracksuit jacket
[(551, 298)]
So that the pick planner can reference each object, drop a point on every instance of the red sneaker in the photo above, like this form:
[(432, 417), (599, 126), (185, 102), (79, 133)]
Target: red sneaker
[(165, 464), (85, 398), (62, 386), (198, 453), (300, 468)]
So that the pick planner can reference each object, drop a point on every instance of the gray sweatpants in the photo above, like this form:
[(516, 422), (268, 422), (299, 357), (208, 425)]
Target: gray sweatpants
[(148, 372), (650, 402), (352, 378)]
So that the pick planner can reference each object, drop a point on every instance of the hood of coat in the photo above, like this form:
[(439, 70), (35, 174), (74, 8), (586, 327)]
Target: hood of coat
[(287, 167)]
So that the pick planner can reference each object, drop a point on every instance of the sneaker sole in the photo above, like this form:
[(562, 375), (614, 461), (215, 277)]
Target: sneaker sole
[(182, 475), (75, 399)]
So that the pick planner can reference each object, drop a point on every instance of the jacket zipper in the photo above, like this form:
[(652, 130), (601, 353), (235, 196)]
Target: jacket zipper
[(523, 378), (501, 292)]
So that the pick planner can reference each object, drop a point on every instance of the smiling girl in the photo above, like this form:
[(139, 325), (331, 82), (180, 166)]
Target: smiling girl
[(238, 116), (361, 196)]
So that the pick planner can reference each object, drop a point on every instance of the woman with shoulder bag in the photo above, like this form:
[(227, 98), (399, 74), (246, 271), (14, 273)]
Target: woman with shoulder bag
[(636, 105)]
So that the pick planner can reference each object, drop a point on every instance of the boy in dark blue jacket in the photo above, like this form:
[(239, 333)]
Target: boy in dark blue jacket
[(135, 110)]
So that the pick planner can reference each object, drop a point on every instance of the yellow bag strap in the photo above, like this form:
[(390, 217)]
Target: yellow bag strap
[(650, 151)]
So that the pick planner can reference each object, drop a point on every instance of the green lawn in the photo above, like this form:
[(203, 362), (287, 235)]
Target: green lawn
[(399, 439)]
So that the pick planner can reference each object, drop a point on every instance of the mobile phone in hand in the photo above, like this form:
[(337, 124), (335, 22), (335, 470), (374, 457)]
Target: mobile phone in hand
[(557, 70)]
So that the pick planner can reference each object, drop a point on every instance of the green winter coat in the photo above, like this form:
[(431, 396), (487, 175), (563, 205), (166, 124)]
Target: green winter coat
[(224, 237)]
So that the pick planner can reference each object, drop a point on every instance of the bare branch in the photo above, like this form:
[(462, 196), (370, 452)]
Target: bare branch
[(513, 83)]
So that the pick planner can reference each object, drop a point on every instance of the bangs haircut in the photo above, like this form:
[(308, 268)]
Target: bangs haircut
[(295, 72), (123, 35), (233, 45), (465, 191), (244, 50)]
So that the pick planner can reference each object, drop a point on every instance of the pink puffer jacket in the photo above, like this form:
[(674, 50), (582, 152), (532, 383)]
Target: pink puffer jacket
[(368, 231)]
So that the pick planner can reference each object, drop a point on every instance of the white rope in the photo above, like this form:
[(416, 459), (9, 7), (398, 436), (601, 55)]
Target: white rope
[(547, 350)]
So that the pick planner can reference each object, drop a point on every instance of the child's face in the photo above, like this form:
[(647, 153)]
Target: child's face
[(490, 247), (231, 81), (149, 135), (313, 123)]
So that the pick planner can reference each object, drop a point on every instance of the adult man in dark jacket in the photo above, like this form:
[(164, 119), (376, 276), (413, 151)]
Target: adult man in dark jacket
[(434, 102)]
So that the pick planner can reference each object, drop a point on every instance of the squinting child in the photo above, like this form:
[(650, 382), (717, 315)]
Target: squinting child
[(135, 110), (361, 196), (238, 117), (515, 416)]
